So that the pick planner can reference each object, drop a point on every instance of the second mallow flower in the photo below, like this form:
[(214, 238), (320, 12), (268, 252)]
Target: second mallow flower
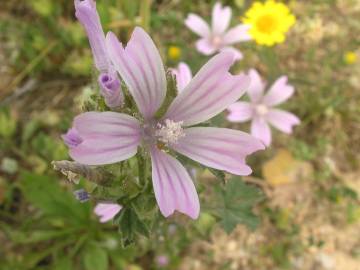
[(260, 110), (218, 37), (110, 137)]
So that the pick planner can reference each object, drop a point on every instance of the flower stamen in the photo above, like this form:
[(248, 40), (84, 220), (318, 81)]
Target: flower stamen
[(261, 110), (169, 132)]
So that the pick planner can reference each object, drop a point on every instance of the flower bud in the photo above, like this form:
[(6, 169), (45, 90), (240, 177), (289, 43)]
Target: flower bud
[(111, 90)]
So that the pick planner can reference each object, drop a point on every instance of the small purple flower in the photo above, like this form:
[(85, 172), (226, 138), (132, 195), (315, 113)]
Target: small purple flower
[(81, 195), (71, 138), (260, 108), (110, 137), (162, 260), (217, 38), (87, 14), (183, 75), (107, 211)]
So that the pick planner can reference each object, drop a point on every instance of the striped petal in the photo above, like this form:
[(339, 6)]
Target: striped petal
[(282, 120), (256, 87), (107, 211), (106, 138), (237, 34), (209, 92), (261, 130), (183, 75), (205, 47), (141, 67), (173, 187), (240, 112), (196, 24), (237, 54), (279, 92), (85, 12), (219, 148), (221, 17)]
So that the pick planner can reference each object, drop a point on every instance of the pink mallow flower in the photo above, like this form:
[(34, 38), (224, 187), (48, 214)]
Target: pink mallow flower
[(260, 110), (183, 75), (217, 37), (110, 137), (107, 211), (86, 13)]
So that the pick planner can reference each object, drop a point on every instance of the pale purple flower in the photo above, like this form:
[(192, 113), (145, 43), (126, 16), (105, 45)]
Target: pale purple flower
[(86, 13), (162, 260), (107, 211), (217, 37), (260, 110), (110, 137), (183, 75), (71, 138)]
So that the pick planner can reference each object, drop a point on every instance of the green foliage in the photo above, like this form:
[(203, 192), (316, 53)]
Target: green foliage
[(7, 124), (44, 193), (234, 204), (95, 258)]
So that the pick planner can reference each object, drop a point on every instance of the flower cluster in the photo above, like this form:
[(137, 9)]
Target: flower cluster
[(99, 138), (161, 130), (260, 108)]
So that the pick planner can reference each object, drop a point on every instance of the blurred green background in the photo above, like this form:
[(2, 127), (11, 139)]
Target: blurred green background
[(311, 215)]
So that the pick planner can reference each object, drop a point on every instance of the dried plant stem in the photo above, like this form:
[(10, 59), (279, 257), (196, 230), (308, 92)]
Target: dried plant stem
[(73, 170)]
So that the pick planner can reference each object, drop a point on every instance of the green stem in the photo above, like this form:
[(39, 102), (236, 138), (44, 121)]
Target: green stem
[(145, 13), (141, 168)]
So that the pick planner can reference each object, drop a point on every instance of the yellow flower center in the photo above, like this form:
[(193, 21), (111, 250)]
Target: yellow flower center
[(267, 23)]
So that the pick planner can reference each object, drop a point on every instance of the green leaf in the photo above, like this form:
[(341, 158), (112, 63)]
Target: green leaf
[(130, 226), (95, 258), (235, 203), (45, 193), (64, 263), (7, 125)]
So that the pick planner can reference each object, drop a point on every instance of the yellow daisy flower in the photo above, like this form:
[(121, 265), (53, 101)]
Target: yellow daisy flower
[(350, 58), (269, 22), (174, 52)]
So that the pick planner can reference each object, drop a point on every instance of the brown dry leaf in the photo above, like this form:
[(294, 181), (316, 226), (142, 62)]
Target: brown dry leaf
[(284, 169)]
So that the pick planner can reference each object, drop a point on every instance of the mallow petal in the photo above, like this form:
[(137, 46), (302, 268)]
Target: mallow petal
[(173, 187), (261, 130), (85, 12), (196, 24), (142, 69), (256, 87), (211, 91), (205, 47), (279, 92), (183, 75), (237, 34), (107, 211), (240, 112), (219, 148), (221, 17), (106, 137), (237, 54), (282, 120)]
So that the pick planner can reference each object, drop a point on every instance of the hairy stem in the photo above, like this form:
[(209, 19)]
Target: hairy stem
[(73, 170)]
